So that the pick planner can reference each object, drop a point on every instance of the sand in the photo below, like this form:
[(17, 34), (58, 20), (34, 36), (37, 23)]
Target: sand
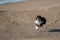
[(17, 20)]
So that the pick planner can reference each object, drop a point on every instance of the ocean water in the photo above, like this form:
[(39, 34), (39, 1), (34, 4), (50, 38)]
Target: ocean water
[(9, 1)]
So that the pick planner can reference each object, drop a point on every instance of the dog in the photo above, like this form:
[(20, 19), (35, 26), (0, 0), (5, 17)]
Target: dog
[(39, 22)]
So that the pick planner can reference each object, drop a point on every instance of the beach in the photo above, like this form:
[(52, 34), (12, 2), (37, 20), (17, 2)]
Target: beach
[(17, 20)]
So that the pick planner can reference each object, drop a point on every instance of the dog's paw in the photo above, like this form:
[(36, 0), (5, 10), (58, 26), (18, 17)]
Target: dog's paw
[(36, 27)]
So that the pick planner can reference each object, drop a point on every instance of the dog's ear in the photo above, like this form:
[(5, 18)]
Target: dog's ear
[(36, 18)]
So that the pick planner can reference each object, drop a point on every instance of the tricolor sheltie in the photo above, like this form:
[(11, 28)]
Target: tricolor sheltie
[(39, 22)]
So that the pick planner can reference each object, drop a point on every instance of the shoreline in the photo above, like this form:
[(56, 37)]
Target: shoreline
[(13, 2)]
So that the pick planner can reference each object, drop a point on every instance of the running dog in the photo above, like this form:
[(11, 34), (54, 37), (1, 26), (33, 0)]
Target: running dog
[(39, 22)]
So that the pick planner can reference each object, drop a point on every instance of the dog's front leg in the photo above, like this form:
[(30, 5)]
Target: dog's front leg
[(36, 27)]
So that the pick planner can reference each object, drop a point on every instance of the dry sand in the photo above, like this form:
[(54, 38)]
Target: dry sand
[(17, 20)]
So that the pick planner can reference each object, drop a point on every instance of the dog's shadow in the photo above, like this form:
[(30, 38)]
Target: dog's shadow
[(54, 30)]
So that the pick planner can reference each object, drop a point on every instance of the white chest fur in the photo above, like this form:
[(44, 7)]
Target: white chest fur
[(38, 22)]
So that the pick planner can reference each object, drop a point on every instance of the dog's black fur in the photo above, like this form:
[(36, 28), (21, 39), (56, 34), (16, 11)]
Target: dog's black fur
[(40, 18)]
